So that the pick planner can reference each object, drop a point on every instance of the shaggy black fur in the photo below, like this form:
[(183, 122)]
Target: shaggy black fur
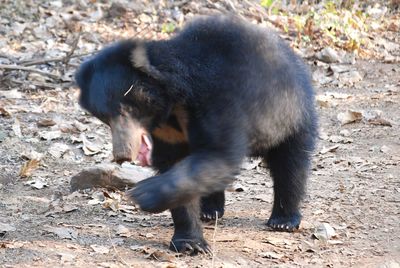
[(243, 91)]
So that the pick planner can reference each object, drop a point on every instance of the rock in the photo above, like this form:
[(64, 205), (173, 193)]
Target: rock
[(328, 55), (62, 232), (350, 78), (320, 76), (110, 176), (117, 10)]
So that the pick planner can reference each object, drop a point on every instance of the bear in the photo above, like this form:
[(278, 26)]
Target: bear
[(194, 106)]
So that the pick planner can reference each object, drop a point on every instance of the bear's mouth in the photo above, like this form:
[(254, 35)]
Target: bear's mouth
[(144, 155)]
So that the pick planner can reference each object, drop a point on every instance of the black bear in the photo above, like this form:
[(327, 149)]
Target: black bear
[(194, 107)]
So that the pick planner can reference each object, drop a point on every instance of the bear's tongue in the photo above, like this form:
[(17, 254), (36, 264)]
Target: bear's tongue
[(144, 155)]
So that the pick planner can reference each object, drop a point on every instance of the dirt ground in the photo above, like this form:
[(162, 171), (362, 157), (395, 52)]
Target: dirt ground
[(354, 187)]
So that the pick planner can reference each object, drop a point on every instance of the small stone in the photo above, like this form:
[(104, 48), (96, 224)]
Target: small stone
[(328, 55), (149, 235)]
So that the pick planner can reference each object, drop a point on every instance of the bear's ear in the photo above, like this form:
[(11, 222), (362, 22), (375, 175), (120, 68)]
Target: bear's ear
[(140, 60)]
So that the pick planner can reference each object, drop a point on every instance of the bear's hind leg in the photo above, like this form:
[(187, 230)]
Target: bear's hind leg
[(289, 164)]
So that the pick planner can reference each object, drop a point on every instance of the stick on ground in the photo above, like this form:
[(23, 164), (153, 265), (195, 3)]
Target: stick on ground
[(28, 69)]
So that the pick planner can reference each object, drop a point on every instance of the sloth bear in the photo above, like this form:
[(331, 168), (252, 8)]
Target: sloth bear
[(194, 107)]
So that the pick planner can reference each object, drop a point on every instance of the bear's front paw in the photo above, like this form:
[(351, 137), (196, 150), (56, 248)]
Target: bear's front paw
[(285, 223), (190, 246), (153, 194)]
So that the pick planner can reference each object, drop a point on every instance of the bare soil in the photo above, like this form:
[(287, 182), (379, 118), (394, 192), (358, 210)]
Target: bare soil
[(355, 188), (354, 185)]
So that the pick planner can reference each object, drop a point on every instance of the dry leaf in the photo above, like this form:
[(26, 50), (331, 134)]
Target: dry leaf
[(112, 200), (79, 126), (340, 96), (127, 208), (335, 242), (324, 232), (270, 255), (320, 76), (28, 167), (5, 228), (111, 204), (345, 133), (329, 149), (57, 150), (32, 155), (100, 249), (338, 69), (393, 27), (61, 232), (149, 235), (66, 257), (66, 208), (263, 197), (385, 149), (4, 112), (11, 244), (46, 122), (16, 127), (277, 241), (339, 139), (162, 256), (349, 117), (90, 148), (138, 248), (123, 231), (37, 183), (227, 238), (253, 244), (11, 94), (380, 122), (324, 101), (50, 104), (350, 78), (50, 135)]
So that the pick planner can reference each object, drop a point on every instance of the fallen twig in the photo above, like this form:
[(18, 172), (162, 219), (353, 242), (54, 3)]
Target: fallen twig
[(115, 249), (214, 240), (179, 3), (28, 69), (3, 55), (42, 85), (73, 48), (48, 60)]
